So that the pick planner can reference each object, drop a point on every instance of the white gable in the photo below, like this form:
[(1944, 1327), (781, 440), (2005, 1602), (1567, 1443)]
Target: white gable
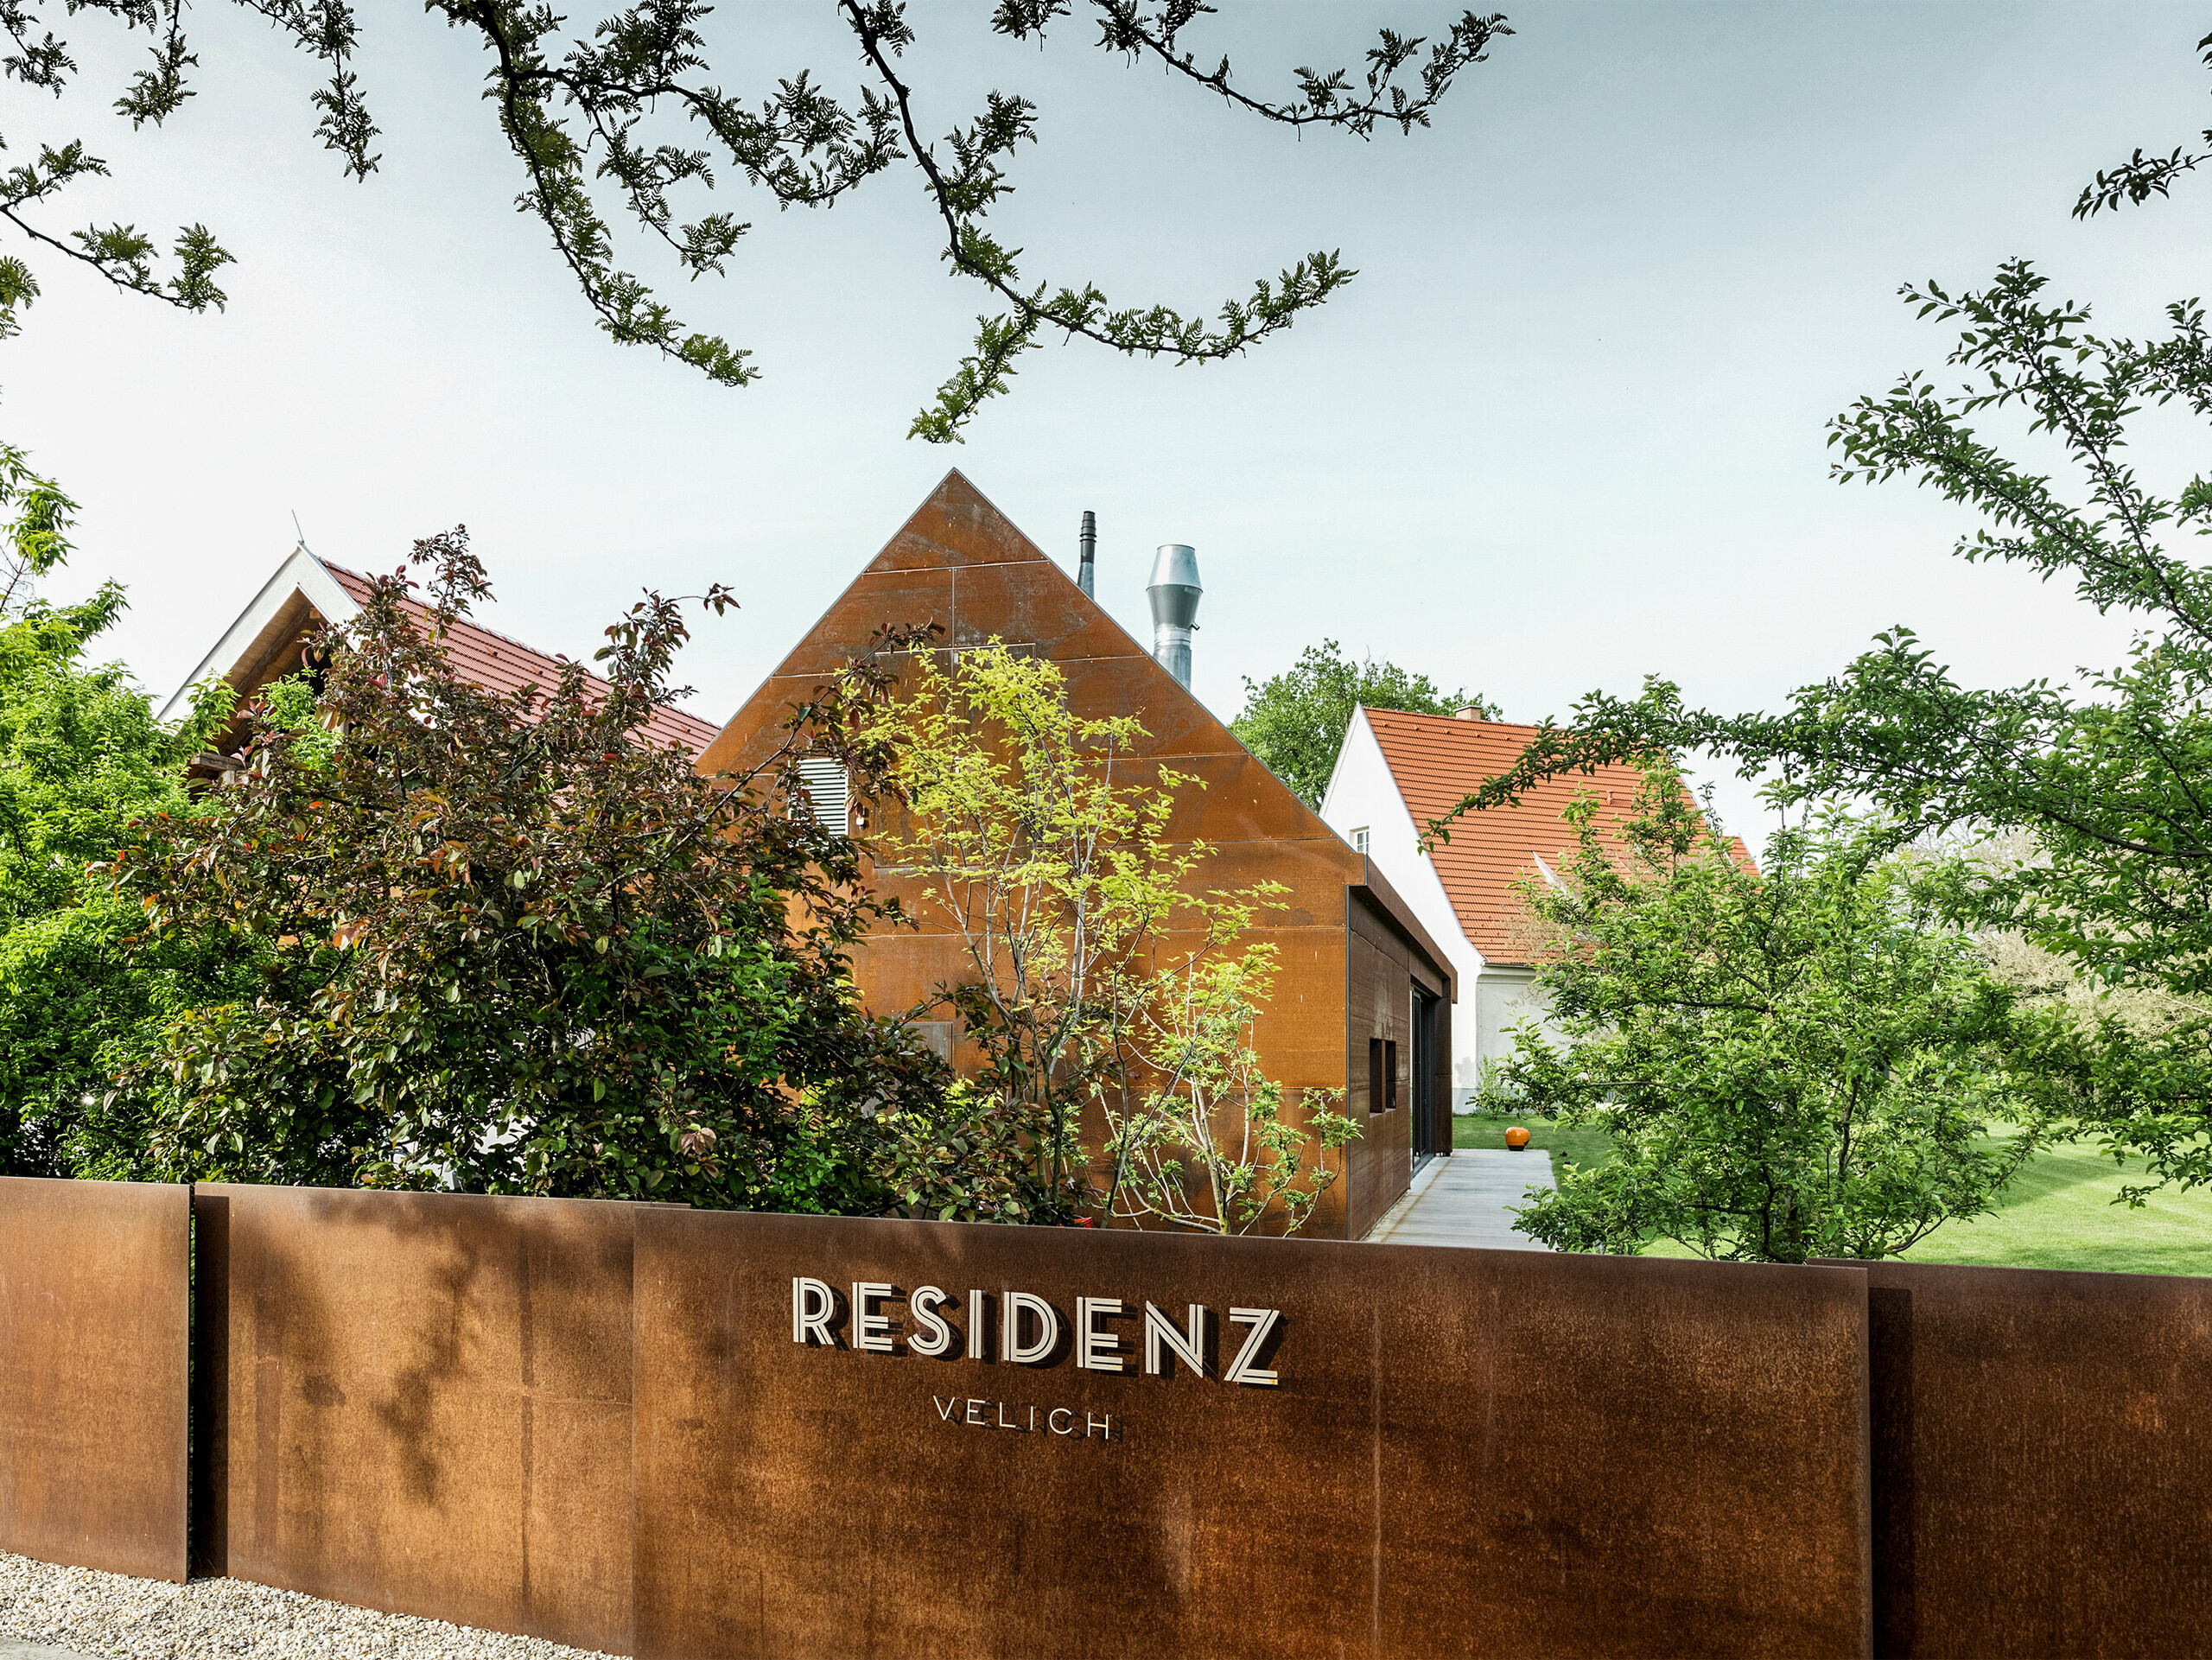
[(1364, 799), (1362, 796), (300, 577)]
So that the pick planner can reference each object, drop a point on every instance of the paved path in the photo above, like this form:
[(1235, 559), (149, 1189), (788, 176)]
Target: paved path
[(13, 1649), (1467, 1199)]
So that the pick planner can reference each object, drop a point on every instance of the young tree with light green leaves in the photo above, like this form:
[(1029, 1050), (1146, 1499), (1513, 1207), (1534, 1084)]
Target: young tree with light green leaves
[(1801, 1061), (1104, 976), (1295, 722), (1206, 1145)]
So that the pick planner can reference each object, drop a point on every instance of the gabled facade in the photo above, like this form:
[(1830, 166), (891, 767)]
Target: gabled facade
[(1396, 773), (305, 595), (1363, 993)]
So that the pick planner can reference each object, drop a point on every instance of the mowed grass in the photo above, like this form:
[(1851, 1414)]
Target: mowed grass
[(1565, 1146), (2060, 1211)]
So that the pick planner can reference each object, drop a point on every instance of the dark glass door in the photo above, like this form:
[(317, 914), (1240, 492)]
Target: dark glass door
[(1423, 1092)]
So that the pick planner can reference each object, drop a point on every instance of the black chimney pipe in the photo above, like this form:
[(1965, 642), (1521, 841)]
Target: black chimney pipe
[(1089, 542)]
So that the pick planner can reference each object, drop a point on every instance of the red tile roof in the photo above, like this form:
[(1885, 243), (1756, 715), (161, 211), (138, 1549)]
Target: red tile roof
[(503, 665), (1437, 760)]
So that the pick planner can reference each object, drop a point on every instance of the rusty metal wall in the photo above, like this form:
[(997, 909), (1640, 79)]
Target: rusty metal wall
[(424, 1403), (1467, 1452), (94, 1360), (1378, 1001), (2042, 1447)]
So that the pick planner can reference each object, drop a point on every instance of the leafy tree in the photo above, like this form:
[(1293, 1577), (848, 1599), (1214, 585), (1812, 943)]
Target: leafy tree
[(1295, 722), (1791, 1064), (2104, 772), (627, 99), (501, 944), (80, 756), (1106, 980)]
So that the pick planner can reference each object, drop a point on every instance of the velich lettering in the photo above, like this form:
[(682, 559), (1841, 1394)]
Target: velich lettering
[(1078, 1423)]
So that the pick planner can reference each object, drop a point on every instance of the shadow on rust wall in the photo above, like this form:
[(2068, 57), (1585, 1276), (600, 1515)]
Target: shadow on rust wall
[(590, 1421), (95, 1303), (420, 1402), (2041, 1448), (1464, 1453)]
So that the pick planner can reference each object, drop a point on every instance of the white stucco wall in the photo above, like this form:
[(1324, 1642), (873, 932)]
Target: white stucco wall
[(1362, 795), (1504, 998), (1493, 998)]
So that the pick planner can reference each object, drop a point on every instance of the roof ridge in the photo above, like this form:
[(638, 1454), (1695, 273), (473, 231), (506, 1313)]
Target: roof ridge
[(1453, 719)]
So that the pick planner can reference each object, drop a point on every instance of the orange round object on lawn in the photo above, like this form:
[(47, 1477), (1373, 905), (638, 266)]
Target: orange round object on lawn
[(1517, 1138)]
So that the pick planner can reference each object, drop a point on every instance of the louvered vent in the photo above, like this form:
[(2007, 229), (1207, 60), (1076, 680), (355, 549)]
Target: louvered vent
[(826, 784)]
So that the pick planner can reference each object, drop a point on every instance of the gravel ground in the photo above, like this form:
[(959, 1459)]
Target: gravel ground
[(103, 1615)]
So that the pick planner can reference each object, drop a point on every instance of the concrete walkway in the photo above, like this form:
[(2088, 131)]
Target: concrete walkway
[(13, 1648), (1466, 1199)]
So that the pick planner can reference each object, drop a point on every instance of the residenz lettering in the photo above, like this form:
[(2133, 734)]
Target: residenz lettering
[(1030, 1332)]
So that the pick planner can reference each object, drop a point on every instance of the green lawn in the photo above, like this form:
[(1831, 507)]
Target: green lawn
[(1565, 1146), (2058, 1212)]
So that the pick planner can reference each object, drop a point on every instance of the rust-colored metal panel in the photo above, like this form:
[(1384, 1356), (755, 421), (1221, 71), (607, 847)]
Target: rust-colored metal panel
[(1177, 722), (1034, 602), (1238, 800), (875, 600), (95, 1311), (1383, 903), (1465, 1452), (1313, 871), (428, 1404), (957, 525), (1378, 1001), (2042, 1461)]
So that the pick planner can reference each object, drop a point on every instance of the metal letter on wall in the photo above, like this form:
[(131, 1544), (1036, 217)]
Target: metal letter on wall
[(1462, 1452)]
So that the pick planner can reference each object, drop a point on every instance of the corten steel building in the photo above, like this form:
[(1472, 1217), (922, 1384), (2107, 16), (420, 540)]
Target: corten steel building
[(1362, 996)]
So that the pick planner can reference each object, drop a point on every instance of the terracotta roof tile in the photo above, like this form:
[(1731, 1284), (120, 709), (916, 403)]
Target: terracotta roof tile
[(1436, 760), (503, 665)]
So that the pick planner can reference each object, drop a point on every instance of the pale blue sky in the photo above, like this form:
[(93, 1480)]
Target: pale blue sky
[(1566, 429)]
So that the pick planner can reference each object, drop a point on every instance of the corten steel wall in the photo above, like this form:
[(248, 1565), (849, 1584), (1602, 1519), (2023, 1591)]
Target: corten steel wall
[(1381, 970), (1468, 1453), (94, 1360), (961, 563), (2041, 1448), (424, 1403)]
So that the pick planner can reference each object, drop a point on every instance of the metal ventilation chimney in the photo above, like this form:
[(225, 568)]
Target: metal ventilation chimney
[(1174, 594), (1089, 542)]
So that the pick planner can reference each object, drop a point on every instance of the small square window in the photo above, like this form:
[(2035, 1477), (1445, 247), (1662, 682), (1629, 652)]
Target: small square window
[(1359, 840)]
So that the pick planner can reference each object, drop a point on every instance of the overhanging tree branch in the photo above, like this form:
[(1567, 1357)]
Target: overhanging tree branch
[(805, 147)]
